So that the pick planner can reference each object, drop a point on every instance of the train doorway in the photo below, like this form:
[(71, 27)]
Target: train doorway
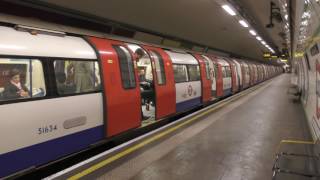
[(146, 82)]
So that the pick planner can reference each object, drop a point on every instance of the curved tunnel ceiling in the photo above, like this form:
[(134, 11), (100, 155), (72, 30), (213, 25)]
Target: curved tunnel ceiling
[(201, 21)]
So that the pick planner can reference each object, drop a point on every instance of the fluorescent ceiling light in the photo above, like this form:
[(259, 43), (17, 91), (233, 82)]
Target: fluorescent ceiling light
[(286, 16), (259, 38), (243, 23), (263, 42), (229, 10), (253, 32)]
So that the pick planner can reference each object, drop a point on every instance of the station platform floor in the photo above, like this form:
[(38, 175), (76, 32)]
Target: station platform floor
[(237, 142)]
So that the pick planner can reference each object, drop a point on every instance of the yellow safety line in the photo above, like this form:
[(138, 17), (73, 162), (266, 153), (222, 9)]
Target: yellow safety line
[(297, 142), (153, 138), (288, 141)]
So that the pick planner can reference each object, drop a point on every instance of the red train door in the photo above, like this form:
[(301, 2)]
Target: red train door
[(205, 78), (164, 82), (121, 86), (219, 76), (233, 76)]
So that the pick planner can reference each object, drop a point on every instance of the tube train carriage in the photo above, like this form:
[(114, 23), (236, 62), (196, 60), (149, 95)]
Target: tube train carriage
[(60, 93)]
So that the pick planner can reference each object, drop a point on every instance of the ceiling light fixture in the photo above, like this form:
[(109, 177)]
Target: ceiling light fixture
[(253, 32), (259, 38), (229, 10), (243, 23), (263, 42)]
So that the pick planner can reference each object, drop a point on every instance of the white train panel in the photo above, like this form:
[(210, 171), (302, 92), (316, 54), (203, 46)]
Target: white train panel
[(27, 123), (188, 95)]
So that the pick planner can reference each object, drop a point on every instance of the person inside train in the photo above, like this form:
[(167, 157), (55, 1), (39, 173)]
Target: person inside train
[(146, 84), (14, 89), (62, 86), (142, 75), (82, 73)]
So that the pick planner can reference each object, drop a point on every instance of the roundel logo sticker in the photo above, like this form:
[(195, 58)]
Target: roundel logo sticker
[(190, 90)]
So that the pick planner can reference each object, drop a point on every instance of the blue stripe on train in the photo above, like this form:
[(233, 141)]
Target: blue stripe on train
[(186, 105), (45, 152), (227, 92)]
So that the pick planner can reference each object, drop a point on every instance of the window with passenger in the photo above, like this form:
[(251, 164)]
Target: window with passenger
[(194, 72), (73, 77), (180, 73), (21, 79)]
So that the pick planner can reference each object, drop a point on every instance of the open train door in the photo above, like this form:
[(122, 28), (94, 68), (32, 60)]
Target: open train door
[(164, 82), (122, 104)]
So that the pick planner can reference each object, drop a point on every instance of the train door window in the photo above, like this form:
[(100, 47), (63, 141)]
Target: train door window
[(180, 73), (21, 79), (224, 73), (314, 50), (74, 77), (247, 70), (126, 67), (215, 73), (194, 72), (206, 61), (228, 71), (159, 66)]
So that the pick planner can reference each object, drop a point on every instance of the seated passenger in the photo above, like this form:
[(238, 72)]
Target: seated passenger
[(142, 75), (14, 89)]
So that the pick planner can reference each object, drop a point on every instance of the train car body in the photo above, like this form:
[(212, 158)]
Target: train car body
[(187, 80)]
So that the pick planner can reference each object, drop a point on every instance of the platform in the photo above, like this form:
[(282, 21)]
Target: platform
[(236, 142)]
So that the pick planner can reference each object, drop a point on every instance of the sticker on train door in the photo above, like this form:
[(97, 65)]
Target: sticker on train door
[(318, 87)]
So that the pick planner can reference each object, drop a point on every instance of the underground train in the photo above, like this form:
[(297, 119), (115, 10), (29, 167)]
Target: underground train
[(61, 93)]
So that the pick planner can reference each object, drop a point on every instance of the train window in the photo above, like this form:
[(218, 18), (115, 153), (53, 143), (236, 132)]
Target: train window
[(180, 73), (159, 66), (194, 72), (21, 79), (126, 67), (73, 77)]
